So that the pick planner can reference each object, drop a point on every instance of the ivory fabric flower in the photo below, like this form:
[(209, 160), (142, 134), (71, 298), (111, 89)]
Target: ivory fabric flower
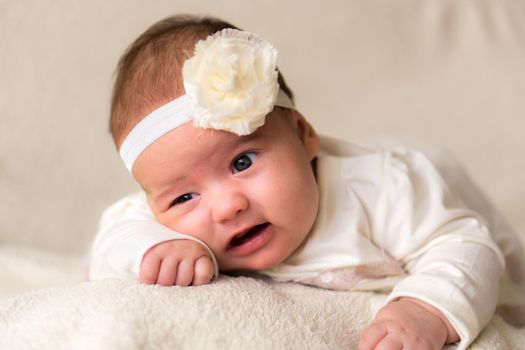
[(232, 79)]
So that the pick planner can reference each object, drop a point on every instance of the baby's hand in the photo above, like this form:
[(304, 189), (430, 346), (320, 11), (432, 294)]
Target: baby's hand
[(178, 262), (408, 323)]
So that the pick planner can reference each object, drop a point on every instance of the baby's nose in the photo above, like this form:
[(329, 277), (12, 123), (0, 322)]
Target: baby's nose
[(228, 205)]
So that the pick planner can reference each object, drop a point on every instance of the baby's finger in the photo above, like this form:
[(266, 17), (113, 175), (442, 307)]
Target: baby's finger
[(371, 336), (168, 271), (149, 268), (202, 271), (390, 343), (184, 272)]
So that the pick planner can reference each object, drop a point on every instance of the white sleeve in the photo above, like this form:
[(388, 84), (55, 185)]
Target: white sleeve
[(127, 230), (452, 262)]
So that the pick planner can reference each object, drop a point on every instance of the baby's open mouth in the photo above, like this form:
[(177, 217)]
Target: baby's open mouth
[(247, 236)]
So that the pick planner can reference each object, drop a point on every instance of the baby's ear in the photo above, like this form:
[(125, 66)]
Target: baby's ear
[(306, 134)]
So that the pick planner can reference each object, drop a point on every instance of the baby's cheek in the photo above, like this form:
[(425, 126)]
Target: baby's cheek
[(190, 224), (302, 200), (166, 220)]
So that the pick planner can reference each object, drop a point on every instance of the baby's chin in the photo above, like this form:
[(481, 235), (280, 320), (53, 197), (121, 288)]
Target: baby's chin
[(254, 265)]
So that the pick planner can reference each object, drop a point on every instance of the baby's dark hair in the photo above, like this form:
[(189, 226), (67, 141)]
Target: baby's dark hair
[(148, 75)]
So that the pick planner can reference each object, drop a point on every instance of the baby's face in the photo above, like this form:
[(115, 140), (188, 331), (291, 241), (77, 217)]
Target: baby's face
[(252, 199)]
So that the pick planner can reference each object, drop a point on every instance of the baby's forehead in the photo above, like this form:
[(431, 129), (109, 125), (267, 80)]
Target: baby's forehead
[(194, 142), (188, 144)]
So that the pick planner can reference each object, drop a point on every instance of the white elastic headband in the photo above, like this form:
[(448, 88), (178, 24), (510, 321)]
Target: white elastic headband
[(164, 119)]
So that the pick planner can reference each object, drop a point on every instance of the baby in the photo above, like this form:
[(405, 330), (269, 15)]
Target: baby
[(236, 179)]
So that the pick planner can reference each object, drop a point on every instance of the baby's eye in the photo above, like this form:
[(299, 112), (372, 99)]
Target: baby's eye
[(184, 198), (243, 162)]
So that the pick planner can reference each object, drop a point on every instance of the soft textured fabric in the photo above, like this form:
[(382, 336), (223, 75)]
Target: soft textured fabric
[(377, 208), (50, 308)]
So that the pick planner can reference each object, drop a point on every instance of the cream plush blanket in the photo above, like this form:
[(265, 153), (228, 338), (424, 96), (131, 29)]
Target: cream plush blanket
[(46, 305)]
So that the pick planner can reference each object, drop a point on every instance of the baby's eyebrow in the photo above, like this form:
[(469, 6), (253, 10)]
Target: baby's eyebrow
[(251, 137), (166, 190)]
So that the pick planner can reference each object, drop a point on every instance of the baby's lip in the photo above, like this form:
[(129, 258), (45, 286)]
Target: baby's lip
[(245, 236), (242, 232)]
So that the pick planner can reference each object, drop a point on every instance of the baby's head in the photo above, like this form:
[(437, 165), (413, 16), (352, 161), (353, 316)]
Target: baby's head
[(240, 176), (149, 74)]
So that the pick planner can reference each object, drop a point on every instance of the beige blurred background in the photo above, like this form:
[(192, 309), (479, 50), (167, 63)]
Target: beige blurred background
[(450, 73)]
